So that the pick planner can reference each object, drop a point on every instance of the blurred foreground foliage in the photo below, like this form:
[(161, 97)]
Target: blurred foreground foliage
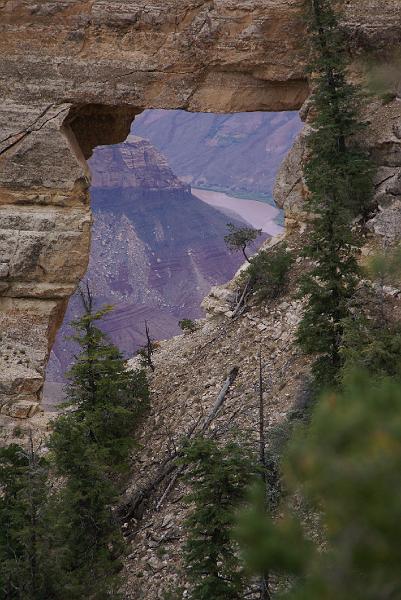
[(344, 469)]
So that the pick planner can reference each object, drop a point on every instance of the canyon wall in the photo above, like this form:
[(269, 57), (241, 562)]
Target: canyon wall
[(234, 153), (156, 251), (74, 73)]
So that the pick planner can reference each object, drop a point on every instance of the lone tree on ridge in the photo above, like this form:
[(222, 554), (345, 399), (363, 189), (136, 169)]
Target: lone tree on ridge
[(239, 238)]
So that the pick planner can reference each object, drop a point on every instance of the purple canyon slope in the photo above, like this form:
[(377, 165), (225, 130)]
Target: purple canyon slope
[(156, 250)]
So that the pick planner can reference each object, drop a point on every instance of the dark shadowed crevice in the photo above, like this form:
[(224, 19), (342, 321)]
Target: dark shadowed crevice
[(100, 125)]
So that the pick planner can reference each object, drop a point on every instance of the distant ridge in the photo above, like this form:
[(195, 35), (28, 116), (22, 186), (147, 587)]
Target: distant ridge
[(156, 251)]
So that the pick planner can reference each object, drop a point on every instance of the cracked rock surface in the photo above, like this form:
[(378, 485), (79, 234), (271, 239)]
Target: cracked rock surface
[(73, 75)]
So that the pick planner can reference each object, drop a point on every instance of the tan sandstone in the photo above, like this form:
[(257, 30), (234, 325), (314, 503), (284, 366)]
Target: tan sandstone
[(74, 73)]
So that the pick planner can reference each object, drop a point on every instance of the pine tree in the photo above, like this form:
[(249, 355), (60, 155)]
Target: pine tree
[(372, 333), (26, 573), (88, 536), (218, 478), (239, 238), (339, 179), (90, 445), (103, 393), (268, 273)]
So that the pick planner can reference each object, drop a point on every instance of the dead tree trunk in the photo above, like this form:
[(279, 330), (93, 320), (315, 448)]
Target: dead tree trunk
[(241, 304), (135, 506), (220, 399), (149, 347), (262, 445), (264, 585)]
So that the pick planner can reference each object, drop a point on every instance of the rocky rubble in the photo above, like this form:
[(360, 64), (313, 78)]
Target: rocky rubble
[(189, 372)]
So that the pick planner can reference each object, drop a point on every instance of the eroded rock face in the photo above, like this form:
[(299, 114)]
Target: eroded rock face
[(136, 164), (382, 138), (73, 75)]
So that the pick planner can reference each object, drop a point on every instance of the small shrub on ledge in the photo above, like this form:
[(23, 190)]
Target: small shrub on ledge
[(268, 273), (188, 326)]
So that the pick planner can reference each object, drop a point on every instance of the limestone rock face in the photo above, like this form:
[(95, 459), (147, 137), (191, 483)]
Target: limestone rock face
[(73, 75), (382, 139), (289, 190)]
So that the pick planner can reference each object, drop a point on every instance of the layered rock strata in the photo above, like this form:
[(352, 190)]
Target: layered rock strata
[(156, 250), (74, 73)]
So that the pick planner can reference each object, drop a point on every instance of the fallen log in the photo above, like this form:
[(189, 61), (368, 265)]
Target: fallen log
[(135, 506)]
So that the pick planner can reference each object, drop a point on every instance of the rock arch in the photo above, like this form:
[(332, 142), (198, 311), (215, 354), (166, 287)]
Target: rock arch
[(73, 75)]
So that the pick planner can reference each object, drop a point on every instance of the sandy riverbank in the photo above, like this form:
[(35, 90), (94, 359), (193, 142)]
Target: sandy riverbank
[(258, 214)]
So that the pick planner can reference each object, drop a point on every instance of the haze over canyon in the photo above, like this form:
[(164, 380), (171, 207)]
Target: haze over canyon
[(157, 246)]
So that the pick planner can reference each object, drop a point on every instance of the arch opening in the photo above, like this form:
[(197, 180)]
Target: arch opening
[(161, 201)]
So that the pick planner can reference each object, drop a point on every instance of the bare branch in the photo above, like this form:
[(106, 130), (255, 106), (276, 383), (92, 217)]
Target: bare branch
[(149, 347), (135, 506)]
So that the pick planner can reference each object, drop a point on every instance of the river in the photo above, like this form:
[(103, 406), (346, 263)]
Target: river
[(258, 214)]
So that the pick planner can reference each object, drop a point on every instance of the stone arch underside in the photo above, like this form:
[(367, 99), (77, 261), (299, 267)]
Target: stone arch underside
[(74, 73)]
